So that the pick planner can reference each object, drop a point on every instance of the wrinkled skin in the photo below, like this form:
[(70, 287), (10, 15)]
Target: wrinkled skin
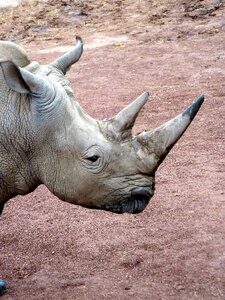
[(46, 137)]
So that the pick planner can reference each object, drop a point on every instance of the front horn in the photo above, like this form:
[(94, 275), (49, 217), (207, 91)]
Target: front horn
[(159, 142), (64, 62)]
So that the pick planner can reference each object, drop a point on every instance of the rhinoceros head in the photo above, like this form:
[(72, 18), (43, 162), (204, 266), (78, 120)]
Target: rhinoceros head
[(96, 164)]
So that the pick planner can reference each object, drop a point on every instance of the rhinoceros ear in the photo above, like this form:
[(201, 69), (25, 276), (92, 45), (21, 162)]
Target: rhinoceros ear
[(64, 62), (21, 80)]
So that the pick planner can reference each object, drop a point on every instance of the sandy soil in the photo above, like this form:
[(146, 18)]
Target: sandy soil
[(175, 249)]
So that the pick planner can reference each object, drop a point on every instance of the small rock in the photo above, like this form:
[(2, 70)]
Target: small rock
[(131, 261), (6, 3), (2, 287), (180, 287)]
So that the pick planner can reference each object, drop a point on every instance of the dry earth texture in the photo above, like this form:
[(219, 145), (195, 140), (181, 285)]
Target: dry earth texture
[(175, 249)]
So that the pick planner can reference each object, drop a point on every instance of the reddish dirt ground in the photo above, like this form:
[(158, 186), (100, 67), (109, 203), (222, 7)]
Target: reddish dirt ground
[(175, 249)]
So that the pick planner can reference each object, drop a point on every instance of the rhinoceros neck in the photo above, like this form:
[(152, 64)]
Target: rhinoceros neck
[(16, 171), (16, 174)]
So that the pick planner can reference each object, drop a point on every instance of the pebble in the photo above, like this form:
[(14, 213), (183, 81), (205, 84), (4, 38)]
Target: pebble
[(2, 287), (180, 287)]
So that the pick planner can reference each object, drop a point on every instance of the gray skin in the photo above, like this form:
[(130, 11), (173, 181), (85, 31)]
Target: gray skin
[(47, 138)]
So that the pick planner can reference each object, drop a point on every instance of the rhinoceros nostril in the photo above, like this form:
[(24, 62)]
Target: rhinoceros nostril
[(141, 193)]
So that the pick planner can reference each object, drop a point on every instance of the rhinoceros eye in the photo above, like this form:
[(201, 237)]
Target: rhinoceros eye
[(93, 158)]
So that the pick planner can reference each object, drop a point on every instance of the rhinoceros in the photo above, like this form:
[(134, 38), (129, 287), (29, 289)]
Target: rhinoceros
[(47, 138)]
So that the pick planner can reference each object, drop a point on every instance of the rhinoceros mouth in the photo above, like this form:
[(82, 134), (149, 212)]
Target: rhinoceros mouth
[(134, 204)]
